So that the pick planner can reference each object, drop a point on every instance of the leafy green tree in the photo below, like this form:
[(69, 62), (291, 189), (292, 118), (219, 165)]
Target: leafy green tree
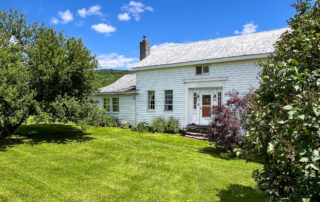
[(43, 74), (284, 127)]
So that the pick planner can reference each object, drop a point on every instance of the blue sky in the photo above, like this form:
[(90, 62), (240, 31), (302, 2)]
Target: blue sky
[(112, 29)]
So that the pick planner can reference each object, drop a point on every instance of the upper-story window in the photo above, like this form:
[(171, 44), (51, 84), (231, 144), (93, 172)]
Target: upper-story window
[(202, 70), (151, 100), (168, 100)]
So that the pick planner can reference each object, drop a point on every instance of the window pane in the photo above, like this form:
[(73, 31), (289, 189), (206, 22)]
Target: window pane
[(151, 100), (206, 100), (219, 98), (168, 103), (115, 104), (199, 70), (195, 99), (205, 69), (106, 104)]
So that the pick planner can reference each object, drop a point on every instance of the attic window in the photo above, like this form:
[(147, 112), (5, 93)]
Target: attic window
[(202, 70)]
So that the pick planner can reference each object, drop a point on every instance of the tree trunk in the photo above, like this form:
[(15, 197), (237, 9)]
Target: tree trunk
[(8, 130)]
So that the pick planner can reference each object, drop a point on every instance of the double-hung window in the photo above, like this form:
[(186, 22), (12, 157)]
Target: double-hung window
[(202, 70), (168, 100), (106, 104), (115, 104), (151, 100), (111, 104)]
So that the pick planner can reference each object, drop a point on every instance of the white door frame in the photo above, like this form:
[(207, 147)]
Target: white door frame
[(196, 114)]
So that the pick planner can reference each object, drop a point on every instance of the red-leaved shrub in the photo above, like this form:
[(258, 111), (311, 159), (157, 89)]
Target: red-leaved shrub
[(228, 120)]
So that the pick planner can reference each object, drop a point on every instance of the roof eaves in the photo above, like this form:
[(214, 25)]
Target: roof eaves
[(117, 93), (207, 61)]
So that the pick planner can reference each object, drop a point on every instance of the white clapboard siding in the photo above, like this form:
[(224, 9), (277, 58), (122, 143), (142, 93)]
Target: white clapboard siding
[(127, 107), (241, 76)]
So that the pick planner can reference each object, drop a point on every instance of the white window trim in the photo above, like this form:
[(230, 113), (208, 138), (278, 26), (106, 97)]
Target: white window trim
[(168, 111), (111, 105), (207, 73), (154, 93)]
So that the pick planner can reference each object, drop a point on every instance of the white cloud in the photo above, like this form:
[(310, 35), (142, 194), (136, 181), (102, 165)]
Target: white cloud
[(134, 9), (124, 17), (54, 21), (163, 45), (247, 29), (65, 16), (93, 10), (103, 28), (114, 60)]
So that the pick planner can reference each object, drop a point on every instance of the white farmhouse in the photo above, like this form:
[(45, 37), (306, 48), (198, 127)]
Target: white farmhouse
[(185, 80)]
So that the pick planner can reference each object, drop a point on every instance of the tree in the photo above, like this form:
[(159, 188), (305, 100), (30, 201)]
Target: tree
[(284, 127), (43, 74)]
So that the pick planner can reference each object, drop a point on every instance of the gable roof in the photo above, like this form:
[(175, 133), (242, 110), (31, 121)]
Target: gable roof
[(125, 85), (245, 45)]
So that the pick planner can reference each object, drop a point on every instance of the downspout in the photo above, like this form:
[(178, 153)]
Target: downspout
[(135, 110)]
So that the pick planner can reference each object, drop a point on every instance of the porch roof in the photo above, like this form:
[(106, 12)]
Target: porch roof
[(125, 85)]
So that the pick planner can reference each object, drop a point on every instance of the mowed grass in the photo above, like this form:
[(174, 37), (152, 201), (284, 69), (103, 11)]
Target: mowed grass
[(61, 163)]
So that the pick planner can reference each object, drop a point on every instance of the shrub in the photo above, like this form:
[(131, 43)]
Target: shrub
[(183, 131), (225, 128), (228, 121), (109, 121), (158, 125), (134, 128), (172, 125), (285, 113), (124, 124), (143, 127)]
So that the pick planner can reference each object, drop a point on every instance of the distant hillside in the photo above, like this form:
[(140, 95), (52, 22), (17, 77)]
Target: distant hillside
[(107, 76)]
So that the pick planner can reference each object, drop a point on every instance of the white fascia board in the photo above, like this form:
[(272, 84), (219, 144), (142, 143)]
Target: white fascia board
[(117, 93), (210, 61)]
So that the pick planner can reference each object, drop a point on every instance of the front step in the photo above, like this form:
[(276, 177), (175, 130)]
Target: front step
[(197, 137), (199, 132)]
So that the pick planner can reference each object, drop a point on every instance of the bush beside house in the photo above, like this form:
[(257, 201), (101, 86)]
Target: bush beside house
[(285, 113)]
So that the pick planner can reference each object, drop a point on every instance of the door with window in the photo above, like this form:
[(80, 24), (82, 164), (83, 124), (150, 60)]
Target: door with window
[(205, 106), (201, 103), (208, 98)]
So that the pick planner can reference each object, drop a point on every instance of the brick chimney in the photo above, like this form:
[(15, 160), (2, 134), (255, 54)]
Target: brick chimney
[(144, 48)]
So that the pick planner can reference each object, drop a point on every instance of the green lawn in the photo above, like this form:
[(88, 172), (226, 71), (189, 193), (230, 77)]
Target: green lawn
[(61, 163)]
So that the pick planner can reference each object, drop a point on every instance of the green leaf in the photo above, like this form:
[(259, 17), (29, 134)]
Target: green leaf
[(270, 148), (304, 160), (287, 107), (316, 111)]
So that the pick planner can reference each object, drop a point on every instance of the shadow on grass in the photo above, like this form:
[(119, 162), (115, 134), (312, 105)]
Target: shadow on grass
[(236, 192), (218, 153), (44, 133)]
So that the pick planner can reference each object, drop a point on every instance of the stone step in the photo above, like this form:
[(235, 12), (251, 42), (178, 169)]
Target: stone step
[(198, 128), (196, 137), (197, 134)]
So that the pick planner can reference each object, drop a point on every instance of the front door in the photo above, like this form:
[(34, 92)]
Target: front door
[(205, 106), (201, 102)]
